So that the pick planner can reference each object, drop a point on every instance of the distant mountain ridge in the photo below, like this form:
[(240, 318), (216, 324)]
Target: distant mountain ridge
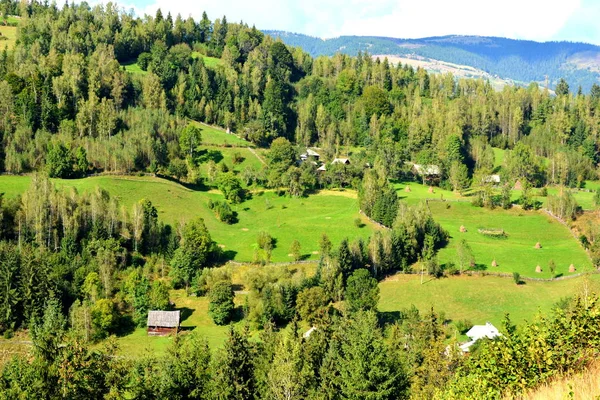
[(521, 61)]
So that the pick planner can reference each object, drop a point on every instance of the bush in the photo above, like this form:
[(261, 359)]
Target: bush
[(223, 211), (517, 278), (236, 158), (463, 326), (221, 304), (493, 233), (362, 292), (143, 61)]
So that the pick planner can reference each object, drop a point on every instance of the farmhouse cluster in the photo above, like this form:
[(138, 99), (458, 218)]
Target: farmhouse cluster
[(313, 157)]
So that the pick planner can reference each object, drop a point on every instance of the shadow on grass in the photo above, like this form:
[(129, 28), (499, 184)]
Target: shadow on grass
[(209, 155), (185, 313), (479, 267), (198, 187), (389, 317), (238, 314), (125, 326), (227, 255)]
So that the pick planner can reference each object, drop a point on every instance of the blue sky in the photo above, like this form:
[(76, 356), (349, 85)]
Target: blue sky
[(575, 20)]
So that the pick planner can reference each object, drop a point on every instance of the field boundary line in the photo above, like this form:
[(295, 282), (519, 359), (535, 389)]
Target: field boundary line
[(257, 156)]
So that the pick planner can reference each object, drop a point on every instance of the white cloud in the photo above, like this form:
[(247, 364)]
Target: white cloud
[(525, 19)]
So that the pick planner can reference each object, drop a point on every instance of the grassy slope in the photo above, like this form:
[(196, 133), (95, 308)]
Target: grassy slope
[(584, 385), (478, 299), (524, 229), (287, 219), (9, 32), (218, 137), (134, 68), (210, 62)]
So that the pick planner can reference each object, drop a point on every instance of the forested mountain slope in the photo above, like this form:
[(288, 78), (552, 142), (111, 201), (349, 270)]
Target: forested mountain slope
[(518, 60)]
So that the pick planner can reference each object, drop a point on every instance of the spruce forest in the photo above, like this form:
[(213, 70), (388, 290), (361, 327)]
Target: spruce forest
[(258, 130)]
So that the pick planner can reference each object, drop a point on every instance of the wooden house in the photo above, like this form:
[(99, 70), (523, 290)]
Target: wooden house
[(162, 323)]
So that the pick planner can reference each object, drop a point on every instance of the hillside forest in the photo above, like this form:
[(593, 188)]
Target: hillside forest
[(93, 90)]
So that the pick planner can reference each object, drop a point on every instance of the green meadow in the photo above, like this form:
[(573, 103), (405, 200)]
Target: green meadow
[(285, 218), (210, 62), (134, 68), (10, 35), (516, 252), (218, 137), (480, 299)]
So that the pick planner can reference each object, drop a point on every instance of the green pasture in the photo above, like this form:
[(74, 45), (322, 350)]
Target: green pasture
[(134, 68), (524, 229), (210, 62), (480, 299), (283, 217), (10, 33), (218, 137), (517, 252)]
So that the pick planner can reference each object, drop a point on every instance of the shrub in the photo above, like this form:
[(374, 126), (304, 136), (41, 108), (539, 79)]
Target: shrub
[(221, 304), (517, 278), (362, 292), (236, 158), (463, 326), (223, 211), (493, 233)]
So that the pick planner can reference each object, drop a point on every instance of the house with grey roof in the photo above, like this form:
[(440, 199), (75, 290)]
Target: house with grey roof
[(162, 323)]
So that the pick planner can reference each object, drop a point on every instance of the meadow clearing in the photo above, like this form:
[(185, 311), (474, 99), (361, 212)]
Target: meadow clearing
[(10, 33)]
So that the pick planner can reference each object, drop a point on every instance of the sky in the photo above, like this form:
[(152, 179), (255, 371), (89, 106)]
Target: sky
[(541, 20)]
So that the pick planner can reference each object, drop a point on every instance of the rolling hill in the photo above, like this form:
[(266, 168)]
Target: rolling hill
[(508, 60)]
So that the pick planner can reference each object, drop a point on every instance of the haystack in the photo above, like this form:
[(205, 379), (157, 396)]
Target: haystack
[(538, 269), (494, 263), (572, 268), (518, 185), (431, 189), (463, 229), (538, 245), (407, 189)]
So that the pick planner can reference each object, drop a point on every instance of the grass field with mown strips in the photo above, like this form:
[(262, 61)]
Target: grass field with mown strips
[(480, 298), (516, 252), (284, 218)]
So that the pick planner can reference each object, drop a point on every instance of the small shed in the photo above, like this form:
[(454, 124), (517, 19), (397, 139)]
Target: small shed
[(310, 154), (162, 323), (309, 332), (518, 185), (493, 179), (344, 161), (427, 172)]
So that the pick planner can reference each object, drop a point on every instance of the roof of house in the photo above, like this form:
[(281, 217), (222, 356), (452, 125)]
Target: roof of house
[(341, 161), (309, 332), (322, 168), (483, 331), (492, 178), (165, 319), (479, 332), (309, 153), (427, 170)]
